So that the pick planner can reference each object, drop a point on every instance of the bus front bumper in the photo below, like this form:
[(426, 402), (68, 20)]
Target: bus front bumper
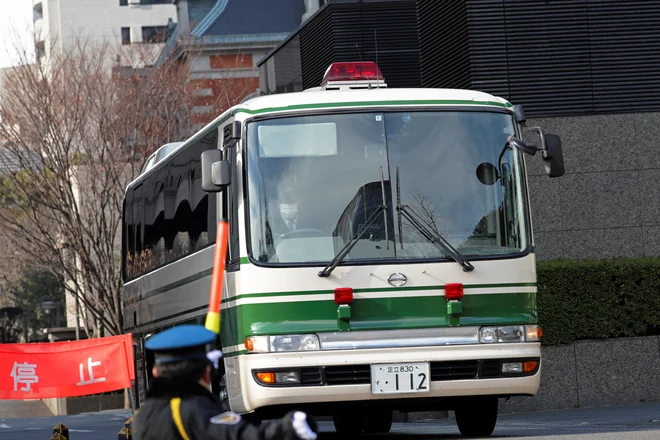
[(345, 375)]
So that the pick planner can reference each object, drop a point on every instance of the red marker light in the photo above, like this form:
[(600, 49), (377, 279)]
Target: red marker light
[(353, 71), (453, 291), (343, 295)]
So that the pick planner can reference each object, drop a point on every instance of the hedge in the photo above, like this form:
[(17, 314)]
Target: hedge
[(595, 299)]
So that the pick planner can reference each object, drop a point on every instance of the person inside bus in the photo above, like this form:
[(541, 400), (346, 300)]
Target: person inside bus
[(288, 218), (179, 404)]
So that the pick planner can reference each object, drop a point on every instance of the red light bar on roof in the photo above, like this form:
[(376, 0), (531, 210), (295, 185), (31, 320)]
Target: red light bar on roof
[(356, 72)]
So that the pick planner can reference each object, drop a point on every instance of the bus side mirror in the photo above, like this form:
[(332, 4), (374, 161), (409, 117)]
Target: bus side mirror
[(553, 158), (216, 173)]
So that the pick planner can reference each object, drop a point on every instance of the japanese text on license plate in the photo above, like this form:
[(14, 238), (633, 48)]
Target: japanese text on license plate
[(400, 378)]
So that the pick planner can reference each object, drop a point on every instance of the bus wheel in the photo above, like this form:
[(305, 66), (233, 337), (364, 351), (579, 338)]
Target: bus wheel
[(349, 424), (224, 394), (379, 422), (477, 417)]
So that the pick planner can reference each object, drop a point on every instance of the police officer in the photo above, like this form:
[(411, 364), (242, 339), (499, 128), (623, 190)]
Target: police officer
[(180, 406)]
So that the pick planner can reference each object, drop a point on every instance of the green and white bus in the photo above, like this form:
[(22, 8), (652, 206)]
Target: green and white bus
[(380, 255)]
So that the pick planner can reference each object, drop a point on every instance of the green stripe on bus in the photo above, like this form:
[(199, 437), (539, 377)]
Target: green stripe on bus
[(374, 314), (245, 260)]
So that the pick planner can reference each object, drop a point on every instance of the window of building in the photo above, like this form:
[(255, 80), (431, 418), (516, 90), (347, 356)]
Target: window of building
[(125, 35), (123, 2), (154, 34)]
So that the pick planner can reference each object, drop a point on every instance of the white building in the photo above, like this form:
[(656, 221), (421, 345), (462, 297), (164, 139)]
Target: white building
[(121, 23)]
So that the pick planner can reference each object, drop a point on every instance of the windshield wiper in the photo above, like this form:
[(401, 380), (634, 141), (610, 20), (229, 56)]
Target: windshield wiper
[(327, 270), (431, 236), (435, 238)]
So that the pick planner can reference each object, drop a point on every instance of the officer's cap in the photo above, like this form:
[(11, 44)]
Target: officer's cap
[(180, 343)]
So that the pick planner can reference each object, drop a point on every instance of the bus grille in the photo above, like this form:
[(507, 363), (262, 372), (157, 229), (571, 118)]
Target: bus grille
[(440, 371), (311, 376), (454, 370), (347, 374)]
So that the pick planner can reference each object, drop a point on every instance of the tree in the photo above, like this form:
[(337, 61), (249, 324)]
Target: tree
[(11, 323), (74, 133), (39, 294)]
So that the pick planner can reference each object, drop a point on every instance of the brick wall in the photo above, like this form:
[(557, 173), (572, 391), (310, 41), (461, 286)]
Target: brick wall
[(228, 81)]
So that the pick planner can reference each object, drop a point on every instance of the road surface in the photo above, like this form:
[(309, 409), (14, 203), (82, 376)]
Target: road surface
[(628, 422)]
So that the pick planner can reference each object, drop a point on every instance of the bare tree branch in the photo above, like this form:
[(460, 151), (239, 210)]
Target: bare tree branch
[(73, 135)]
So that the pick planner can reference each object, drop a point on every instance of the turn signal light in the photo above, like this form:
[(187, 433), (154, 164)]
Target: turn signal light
[(249, 344), (266, 377), (529, 366), (453, 291), (343, 295)]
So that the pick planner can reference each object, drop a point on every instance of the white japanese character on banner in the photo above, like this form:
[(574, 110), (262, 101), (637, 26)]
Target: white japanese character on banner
[(91, 380), (25, 374)]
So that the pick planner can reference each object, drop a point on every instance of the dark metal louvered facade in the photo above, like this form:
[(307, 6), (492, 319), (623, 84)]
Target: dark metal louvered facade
[(384, 30), (443, 44), (560, 57)]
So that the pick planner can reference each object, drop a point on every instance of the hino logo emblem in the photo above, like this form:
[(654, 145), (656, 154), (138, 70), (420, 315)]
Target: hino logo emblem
[(397, 279)]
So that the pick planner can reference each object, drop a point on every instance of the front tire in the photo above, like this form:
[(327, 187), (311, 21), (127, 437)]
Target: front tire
[(477, 417), (223, 394)]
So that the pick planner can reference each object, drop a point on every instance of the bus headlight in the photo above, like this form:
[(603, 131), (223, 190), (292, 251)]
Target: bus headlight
[(510, 333), (282, 343)]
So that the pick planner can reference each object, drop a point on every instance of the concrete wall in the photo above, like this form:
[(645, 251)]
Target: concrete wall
[(595, 373), (84, 404), (607, 204), (586, 374), (10, 409), (74, 405)]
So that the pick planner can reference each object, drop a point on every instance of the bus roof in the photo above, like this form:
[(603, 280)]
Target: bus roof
[(335, 99), (379, 97)]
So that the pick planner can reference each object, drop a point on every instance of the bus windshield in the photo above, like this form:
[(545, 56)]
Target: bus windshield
[(394, 180)]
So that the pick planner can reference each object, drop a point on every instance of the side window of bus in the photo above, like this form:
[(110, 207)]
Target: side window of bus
[(138, 255), (171, 216), (230, 201), (128, 243), (203, 204)]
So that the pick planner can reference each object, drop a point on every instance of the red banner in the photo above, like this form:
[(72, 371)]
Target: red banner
[(66, 369)]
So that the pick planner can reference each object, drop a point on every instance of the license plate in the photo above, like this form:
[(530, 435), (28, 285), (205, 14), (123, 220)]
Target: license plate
[(400, 378)]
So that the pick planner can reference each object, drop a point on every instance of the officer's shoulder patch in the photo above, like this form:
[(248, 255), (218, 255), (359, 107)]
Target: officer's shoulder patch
[(226, 418)]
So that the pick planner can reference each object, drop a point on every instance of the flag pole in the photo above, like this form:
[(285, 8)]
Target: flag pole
[(213, 315)]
